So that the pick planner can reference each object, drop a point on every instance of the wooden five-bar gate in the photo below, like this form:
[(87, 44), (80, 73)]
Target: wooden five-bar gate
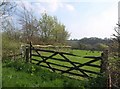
[(57, 62)]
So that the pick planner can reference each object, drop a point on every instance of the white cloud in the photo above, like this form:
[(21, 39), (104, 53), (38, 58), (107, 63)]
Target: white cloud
[(77, 0), (53, 5), (89, 0), (23, 3), (38, 8), (48, 6), (103, 24), (97, 25), (119, 11), (70, 7)]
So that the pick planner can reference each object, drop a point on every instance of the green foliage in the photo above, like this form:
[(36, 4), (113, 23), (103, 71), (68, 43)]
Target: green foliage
[(114, 71), (99, 82), (51, 30), (101, 46), (91, 43), (9, 46)]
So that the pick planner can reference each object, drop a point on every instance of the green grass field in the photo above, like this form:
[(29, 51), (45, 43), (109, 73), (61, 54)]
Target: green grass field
[(21, 74), (80, 59), (18, 74)]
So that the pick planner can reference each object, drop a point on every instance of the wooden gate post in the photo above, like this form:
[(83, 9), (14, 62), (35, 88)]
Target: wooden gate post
[(105, 68), (27, 54), (104, 62), (30, 52)]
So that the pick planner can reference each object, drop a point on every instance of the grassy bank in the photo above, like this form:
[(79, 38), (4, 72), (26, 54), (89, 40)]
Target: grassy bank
[(18, 74), (27, 75)]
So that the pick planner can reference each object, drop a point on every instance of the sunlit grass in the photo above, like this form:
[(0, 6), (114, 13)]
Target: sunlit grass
[(17, 74), (80, 59)]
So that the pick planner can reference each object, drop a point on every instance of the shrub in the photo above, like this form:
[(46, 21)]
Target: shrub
[(9, 47), (99, 82)]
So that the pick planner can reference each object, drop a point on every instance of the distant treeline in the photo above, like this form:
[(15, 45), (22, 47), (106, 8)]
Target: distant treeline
[(92, 43)]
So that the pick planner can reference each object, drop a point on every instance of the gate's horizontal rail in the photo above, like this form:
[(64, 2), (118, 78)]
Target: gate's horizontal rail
[(66, 72), (71, 67), (92, 57), (54, 58), (51, 51), (80, 64), (93, 65)]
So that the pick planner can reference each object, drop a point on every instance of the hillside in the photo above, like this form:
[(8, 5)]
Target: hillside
[(92, 43)]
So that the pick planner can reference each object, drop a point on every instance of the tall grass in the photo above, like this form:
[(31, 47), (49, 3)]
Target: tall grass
[(17, 74)]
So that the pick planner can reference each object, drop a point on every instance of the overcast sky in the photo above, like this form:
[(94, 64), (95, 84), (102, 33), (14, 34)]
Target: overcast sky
[(82, 18)]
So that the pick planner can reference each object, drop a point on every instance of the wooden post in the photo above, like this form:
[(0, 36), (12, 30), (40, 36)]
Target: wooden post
[(105, 68), (30, 52), (104, 61), (27, 54)]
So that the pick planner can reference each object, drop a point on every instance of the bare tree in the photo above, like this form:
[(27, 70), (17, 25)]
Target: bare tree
[(29, 24), (7, 9)]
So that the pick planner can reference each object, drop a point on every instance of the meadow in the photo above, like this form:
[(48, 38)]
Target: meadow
[(21, 74), (79, 59)]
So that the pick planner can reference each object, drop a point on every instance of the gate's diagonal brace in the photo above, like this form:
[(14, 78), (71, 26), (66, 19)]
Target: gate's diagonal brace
[(80, 65), (72, 68), (44, 60)]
